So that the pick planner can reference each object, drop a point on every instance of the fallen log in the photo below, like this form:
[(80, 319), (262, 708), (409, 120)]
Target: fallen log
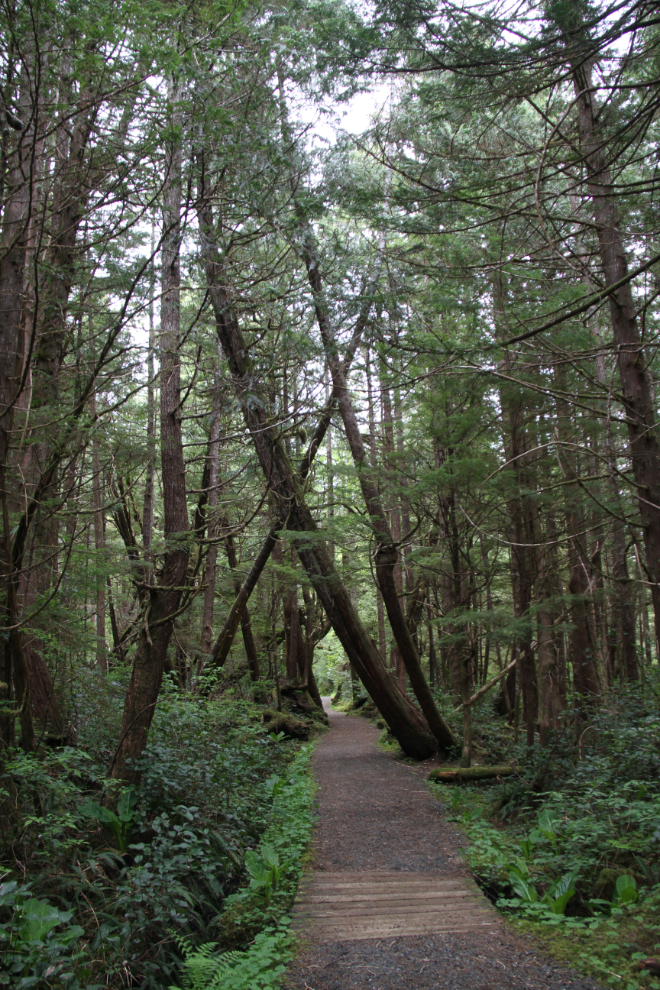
[(457, 775)]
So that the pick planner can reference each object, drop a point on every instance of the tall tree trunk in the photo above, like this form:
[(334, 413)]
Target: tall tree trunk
[(330, 480), (387, 420), (246, 622), (97, 495), (433, 664), (583, 648), (222, 645), (291, 624), (380, 611), (386, 555), (403, 719), (582, 643), (633, 373), (625, 612), (522, 533), (165, 596), (13, 248), (548, 661), (213, 472), (148, 509)]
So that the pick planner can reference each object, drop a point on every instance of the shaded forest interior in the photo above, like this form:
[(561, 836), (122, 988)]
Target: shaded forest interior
[(285, 414)]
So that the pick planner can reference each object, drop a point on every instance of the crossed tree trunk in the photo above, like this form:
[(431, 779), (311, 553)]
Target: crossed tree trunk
[(404, 720)]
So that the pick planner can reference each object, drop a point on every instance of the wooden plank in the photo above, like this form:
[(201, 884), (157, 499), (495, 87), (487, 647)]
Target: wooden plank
[(371, 909), (386, 888), (396, 930), (378, 903), (389, 876), (411, 900), (368, 917), (418, 903)]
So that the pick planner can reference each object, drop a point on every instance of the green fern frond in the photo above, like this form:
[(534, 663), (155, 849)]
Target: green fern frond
[(202, 968)]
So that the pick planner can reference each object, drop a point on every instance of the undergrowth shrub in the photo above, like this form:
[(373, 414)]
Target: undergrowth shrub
[(573, 842), (118, 892), (257, 913)]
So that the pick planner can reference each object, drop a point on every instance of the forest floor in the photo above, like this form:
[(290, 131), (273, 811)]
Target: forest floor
[(375, 814)]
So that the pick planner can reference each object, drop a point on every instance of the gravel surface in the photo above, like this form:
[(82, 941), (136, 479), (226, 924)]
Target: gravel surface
[(377, 813)]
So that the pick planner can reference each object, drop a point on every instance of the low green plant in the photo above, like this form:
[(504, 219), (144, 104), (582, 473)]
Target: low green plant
[(265, 869), (572, 846), (275, 865), (259, 967), (274, 868), (120, 822), (548, 906), (176, 859), (626, 891), (38, 943)]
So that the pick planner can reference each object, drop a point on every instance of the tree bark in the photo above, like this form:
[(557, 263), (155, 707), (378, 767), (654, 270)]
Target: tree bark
[(13, 249), (222, 645), (213, 466), (633, 374), (246, 622), (585, 678), (165, 596), (387, 555), (97, 495), (522, 532), (148, 507), (396, 658), (405, 722)]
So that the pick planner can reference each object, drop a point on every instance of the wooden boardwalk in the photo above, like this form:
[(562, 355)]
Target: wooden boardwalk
[(336, 907)]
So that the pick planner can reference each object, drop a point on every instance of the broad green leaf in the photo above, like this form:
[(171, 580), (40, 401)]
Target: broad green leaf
[(127, 803), (38, 918), (526, 891)]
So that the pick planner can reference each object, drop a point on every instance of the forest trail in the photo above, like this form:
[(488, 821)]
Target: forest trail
[(389, 904)]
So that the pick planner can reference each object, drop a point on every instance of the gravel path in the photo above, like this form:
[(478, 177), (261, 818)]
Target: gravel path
[(376, 813)]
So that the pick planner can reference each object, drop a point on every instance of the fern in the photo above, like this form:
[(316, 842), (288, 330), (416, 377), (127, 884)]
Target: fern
[(260, 967), (203, 968)]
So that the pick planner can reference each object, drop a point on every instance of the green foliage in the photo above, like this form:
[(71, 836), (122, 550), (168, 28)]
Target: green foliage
[(259, 967), (176, 863), (275, 866), (265, 869), (38, 943), (120, 823), (580, 858), (626, 891)]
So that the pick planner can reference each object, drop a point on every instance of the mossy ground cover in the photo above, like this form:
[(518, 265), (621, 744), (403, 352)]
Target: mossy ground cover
[(85, 903), (569, 848)]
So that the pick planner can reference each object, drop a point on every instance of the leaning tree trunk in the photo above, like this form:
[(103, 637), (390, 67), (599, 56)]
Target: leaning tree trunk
[(246, 622), (405, 722), (387, 555), (222, 645), (165, 597)]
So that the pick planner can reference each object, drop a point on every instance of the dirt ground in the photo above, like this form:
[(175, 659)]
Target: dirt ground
[(377, 813)]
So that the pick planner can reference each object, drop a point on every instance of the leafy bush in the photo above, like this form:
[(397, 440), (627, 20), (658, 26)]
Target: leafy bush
[(274, 868), (119, 822), (168, 859), (38, 945), (573, 843), (260, 967)]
